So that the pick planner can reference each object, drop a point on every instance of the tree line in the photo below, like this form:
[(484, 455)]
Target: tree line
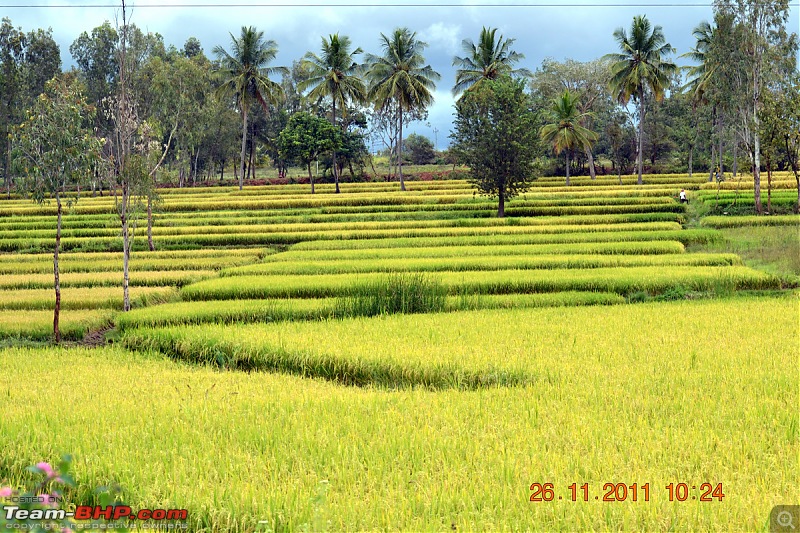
[(134, 109)]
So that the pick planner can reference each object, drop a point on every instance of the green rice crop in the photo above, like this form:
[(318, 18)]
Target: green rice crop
[(275, 310), (160, 255), (740, 221), (620, 280), (747, 184), (354, 351), (485, 262)]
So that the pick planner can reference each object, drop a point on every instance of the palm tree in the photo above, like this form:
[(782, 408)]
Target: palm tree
[(245, 75), (335, 75), (487, 60), (565, 132), (700, 76), (398, 77), (640, 66)]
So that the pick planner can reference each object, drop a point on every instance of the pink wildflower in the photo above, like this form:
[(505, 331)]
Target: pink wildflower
[(5, 492), (46, 468)]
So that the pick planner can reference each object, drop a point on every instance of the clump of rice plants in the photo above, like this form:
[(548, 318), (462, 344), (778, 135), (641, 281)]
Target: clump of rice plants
[(411, 292)]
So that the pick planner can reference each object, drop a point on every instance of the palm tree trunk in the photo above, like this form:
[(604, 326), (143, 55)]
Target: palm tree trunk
[(244, 145), (400, 147), (250, 166), (57, 309), (735, 162), (310, 176), (335, 166), (641, 135), (590, 157), (567, 154)]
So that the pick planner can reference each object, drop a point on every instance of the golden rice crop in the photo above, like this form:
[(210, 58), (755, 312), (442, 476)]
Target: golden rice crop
[(274, 310), (38, 325), (620, 280), (104, 279), (636, 394), (685, 236), (83, 297), (143, 263), (486, 262), (626, 247)]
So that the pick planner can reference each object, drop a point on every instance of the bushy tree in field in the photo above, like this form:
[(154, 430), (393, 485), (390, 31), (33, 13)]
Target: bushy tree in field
[(305, 138), (420, 149), (495, 135), (53, 150)]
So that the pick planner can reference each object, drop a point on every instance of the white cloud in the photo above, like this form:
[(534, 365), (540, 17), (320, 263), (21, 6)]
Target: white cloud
[(443, 35)]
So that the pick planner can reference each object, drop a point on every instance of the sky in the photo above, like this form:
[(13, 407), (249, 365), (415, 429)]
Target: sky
[(558, 29)]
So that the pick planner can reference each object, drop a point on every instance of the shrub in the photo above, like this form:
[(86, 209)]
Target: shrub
[(396, 293)]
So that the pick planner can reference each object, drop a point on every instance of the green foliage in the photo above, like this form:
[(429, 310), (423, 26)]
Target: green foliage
[(245, 76), (306, 137), (396, 293), (563, 130), (420, 149), (490, 59), (399, 79), (53, 149), (640, 66), (495, 135)]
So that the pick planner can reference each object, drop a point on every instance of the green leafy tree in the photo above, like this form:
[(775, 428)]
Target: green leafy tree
[(305, 138), (96, 57), (588, 82), (495, 135), (420, 149), (640, 66), (53, 151), (564, 131), (12, 45), (491, 58), (399, 77), (245, 75), (336, 75), (769, 54)]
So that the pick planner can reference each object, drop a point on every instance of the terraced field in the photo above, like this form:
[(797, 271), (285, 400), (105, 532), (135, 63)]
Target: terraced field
[(386, 360)]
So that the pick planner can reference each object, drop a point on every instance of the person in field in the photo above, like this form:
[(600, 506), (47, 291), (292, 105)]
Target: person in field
[(683, 198)]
